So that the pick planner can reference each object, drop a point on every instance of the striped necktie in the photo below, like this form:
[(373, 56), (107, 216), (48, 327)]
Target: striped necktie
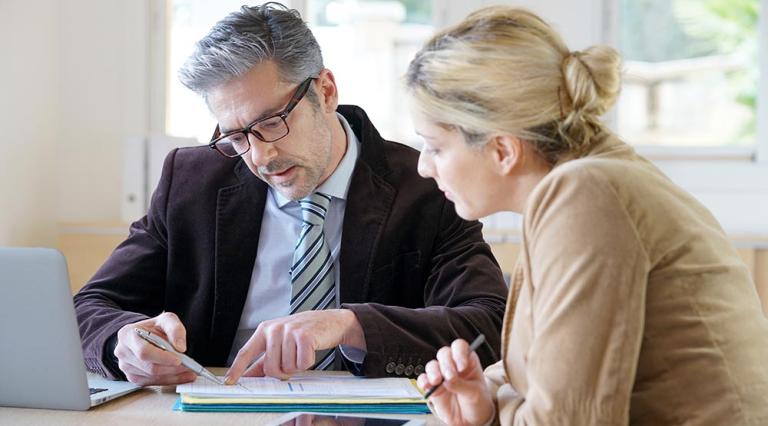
[(312, 279)]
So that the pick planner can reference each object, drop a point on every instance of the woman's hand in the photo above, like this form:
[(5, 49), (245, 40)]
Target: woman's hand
[(463, 398)]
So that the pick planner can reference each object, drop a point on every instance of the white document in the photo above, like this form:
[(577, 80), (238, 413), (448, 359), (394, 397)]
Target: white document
[(305, 386)]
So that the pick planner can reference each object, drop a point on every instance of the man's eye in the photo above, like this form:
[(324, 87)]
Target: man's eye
[(237, 138), (271, 124)]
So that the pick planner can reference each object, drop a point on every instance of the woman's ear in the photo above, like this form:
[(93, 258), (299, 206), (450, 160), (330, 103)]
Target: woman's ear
[(327, 91), (507, 153)]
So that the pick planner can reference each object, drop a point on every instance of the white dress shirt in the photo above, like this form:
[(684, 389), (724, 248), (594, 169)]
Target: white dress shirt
[(269, 293)]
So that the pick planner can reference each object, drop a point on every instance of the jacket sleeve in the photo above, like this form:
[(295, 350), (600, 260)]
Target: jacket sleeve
[(129, 287), (588, 270), (502, 392), (464, 295)]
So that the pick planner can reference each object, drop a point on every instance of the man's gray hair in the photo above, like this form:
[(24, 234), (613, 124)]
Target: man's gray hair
[(247, 38)]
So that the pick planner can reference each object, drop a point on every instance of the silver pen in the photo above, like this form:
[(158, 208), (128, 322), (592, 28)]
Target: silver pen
[(186, 360)]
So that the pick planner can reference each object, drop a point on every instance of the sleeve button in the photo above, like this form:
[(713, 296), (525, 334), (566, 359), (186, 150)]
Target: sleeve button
[(409, 370), (418, 370), (399, 369), (390, 368)]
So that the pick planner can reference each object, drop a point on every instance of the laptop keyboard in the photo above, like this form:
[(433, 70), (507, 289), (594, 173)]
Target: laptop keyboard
[(96, 390)]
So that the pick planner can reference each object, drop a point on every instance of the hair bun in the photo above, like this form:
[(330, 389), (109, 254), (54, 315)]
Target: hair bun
[(592, 79)]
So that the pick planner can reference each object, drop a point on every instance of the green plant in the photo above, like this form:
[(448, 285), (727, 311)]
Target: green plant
[(732, 27)]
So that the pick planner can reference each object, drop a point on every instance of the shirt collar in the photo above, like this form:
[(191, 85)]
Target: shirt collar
[(337, 185)]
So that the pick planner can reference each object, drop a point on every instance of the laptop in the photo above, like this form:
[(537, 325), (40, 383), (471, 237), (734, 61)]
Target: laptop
[(41, 359)]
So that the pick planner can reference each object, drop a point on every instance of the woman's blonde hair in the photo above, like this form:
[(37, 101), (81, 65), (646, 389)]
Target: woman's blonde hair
[(503, 70)]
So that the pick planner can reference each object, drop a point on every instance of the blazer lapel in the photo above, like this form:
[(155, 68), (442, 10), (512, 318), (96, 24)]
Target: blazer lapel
[(239, 211), (368, 205), (369, 201)]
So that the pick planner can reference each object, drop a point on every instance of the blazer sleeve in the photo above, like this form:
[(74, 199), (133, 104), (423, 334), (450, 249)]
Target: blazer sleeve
[(464, 295), (588, 270), (129, 287)]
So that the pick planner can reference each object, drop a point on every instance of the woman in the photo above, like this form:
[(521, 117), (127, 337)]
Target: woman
[(628, 303)]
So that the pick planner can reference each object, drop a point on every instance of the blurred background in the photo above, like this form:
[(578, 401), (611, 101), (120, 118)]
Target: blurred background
[(91, 104)]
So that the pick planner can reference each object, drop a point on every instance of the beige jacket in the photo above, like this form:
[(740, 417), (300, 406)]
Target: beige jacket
[(628, 305)]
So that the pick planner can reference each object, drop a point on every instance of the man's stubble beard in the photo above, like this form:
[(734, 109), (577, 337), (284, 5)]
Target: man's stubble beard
[(318, 160)]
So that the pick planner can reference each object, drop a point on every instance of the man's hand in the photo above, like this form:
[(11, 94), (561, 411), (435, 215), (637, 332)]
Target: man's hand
[(143, 363), (289, 343)]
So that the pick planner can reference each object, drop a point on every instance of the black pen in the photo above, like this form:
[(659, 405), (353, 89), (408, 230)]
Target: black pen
[(472, 347)]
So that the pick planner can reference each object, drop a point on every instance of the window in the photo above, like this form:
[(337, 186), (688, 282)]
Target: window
[(691, 72), (189, 21), (366, 43)]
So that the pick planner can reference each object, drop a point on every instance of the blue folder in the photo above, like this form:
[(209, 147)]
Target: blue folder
[(400, 408)]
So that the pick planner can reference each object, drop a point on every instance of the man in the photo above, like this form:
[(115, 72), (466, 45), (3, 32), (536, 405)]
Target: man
[(302, 234)]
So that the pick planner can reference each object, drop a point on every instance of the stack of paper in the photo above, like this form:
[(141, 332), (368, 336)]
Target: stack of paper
[(317, 393)]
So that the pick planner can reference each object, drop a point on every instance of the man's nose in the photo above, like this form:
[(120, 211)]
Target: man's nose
[(261, 152)]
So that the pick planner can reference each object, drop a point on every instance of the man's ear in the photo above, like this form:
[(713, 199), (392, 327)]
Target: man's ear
[(328, 94), (507, 153)]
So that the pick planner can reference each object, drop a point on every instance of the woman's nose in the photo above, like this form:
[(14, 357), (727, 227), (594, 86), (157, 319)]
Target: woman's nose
[(425, 166)]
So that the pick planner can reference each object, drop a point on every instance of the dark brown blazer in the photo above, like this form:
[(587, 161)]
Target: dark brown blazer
[(416, 275)]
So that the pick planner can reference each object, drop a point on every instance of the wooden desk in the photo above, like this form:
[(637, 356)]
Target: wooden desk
[(151, 406)]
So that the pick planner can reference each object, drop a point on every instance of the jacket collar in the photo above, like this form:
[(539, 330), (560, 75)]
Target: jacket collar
[(372, 153)]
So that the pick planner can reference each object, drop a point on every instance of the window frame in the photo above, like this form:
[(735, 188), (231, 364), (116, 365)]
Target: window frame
[(762, 97)]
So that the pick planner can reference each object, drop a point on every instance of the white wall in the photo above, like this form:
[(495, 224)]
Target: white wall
[(74, 86), (74, 83), (29, 107), (104, 55)]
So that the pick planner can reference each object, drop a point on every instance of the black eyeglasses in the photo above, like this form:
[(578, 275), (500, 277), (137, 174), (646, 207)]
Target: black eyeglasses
[(268, 129)]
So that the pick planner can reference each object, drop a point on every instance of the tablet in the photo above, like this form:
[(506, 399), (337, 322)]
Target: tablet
[(307, 419)]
